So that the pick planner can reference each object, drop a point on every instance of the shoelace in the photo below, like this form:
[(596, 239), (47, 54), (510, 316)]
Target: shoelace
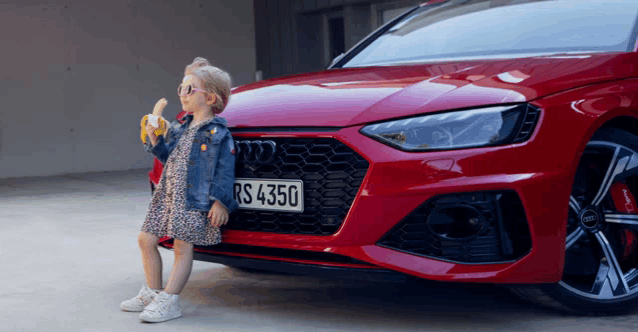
[(146, 302), (146, 294), (162, 305), (162, 309)]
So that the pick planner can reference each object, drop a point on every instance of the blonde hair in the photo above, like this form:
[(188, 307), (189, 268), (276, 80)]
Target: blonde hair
[(214, 80)]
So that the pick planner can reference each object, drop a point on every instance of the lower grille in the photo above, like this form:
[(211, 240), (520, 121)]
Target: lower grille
[(480, 227), (331, 173), (282, 253)]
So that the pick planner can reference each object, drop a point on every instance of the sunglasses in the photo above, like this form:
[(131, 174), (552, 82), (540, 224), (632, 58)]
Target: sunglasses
[(187, 90)]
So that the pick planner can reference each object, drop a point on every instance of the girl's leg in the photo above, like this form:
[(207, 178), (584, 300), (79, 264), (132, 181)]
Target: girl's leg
[(151, 259), (182, 267)]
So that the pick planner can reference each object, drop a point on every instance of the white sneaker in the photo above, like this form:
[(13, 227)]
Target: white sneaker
[(143, 298), (164, 307)]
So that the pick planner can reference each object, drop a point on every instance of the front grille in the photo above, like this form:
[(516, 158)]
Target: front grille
[(331, 173), (505, 236)]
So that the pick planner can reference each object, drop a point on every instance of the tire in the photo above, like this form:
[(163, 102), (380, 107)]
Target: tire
[(600, 274)]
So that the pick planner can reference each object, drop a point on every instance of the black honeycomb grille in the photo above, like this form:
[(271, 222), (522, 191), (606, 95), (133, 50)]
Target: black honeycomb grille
[(331, 173), (506, 238)]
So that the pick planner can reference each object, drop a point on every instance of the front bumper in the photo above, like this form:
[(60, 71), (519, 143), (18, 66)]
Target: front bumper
[(397, 183), (292, 262)]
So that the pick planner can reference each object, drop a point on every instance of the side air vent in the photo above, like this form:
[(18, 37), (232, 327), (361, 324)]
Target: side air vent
[(529, 122)]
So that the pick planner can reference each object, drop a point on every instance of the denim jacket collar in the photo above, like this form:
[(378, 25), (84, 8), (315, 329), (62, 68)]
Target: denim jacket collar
[(217, 119)]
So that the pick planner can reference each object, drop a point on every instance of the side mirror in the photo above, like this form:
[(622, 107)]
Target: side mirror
[(336, 59)]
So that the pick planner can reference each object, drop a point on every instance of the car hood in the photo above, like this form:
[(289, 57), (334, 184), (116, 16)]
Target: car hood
[(352, 96)]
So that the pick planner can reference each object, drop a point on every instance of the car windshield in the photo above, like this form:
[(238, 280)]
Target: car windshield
[(466, 29)]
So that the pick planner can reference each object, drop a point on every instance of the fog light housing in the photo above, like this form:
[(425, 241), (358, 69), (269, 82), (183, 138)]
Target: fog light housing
[(457, 222), (476, 227)]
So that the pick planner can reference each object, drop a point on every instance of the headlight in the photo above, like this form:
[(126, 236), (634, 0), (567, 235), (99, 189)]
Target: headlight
[(454, 130)]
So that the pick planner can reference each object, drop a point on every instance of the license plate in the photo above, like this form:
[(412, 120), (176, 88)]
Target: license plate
[(271, 194)]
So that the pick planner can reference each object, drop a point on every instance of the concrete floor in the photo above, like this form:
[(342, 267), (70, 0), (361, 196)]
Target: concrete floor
[(69, 256)]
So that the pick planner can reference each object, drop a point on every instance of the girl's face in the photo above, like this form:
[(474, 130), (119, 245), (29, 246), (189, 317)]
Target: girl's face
[(198, 101)]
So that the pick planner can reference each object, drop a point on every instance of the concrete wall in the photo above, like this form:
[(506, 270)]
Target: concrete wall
[(77, 76), (293, 35)]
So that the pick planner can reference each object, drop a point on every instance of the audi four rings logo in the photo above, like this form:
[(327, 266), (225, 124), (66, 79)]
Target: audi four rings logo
[(256, 152), (590, 218)]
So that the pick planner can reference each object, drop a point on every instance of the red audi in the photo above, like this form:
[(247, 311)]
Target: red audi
[(468, 141)]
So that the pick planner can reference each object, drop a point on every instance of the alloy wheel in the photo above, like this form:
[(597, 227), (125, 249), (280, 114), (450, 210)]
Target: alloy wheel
[(600, 260)]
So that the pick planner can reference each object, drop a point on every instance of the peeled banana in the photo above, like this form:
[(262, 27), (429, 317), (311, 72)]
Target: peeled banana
[(161, 130), (163, 124)]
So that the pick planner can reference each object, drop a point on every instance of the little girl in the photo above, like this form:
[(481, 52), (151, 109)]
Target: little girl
[(194, 195)]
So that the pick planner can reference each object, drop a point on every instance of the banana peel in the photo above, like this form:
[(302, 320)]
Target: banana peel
[(161, 130), (163, 124)]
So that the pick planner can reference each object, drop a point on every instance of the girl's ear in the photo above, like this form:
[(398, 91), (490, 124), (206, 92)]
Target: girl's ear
[(211, 99)]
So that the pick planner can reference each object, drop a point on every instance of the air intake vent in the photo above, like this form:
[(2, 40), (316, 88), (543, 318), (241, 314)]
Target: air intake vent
[(478, 227), (529, 122)]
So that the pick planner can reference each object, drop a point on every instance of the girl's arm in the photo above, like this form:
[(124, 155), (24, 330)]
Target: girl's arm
[(224, 175), (164, 144), (160, 149), (157, 145)]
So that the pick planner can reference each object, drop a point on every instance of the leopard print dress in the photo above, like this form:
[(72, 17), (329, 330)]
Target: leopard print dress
[(167, 214)]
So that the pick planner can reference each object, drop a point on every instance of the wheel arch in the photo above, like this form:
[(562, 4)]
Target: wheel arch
[(618, 118), (559, 296), (623, 122), (614, 118)]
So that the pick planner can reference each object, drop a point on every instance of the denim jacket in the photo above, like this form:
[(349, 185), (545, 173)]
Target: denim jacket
[(211, 165)]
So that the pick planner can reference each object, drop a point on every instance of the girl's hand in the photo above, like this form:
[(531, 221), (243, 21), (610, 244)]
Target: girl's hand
[(218, 214), (150, 131), (157, 110)]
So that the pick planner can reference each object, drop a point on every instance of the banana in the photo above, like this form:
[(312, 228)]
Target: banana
[(161, 130), (163, 123)]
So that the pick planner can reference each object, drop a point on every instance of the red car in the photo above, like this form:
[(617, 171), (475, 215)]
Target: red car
[(469, 141)]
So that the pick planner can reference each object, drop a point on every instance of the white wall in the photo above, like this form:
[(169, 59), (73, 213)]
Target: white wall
[(77, 76)]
